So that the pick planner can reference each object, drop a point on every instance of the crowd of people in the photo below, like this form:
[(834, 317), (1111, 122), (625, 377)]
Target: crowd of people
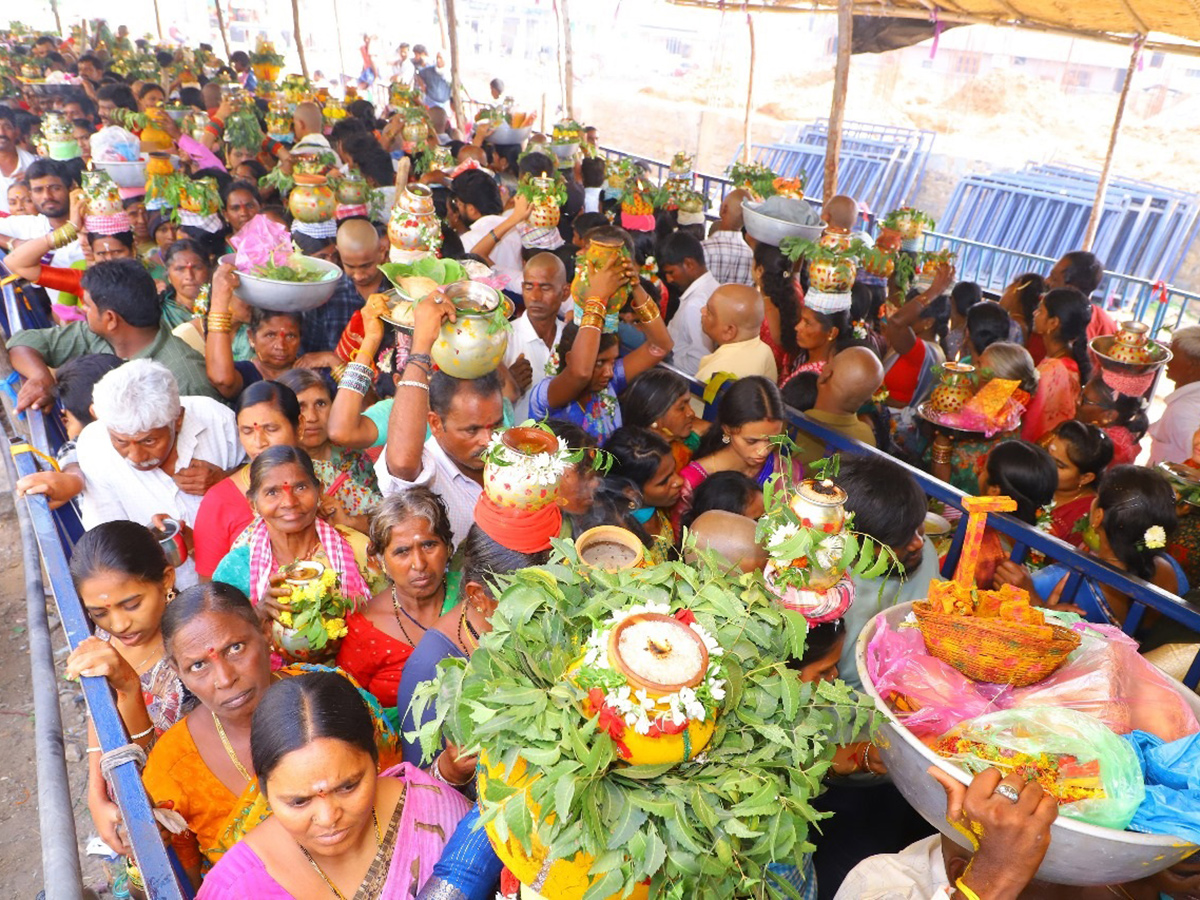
[(276, 437)]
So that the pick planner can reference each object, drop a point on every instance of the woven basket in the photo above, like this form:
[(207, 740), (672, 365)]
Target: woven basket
[(994, 650)]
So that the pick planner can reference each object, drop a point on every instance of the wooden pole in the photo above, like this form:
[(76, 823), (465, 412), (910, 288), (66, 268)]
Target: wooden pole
[(455, 83), (440, 15), (747, 149), (1093, 225), (58, 20), (337, 27), (157, 18), (299, 37), (568, 59), (221, 27), (841, 80)]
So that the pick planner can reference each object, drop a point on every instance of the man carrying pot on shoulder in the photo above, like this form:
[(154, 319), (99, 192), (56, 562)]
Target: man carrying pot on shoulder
[(461, 415)]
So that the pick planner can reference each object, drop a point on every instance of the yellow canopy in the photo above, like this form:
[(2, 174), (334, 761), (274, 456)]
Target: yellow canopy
[(1172, 25)]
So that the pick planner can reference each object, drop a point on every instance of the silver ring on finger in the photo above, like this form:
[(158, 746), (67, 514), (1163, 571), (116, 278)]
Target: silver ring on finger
[(1008, 792)]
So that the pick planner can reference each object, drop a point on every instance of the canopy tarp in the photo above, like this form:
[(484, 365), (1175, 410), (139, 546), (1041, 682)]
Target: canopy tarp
[(1172, 25)]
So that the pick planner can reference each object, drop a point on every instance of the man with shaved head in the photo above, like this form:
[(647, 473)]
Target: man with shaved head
[(730, 536), (732, 320), (308, 124), (360, 251), (534, 336), (846, 384), (730, 258)]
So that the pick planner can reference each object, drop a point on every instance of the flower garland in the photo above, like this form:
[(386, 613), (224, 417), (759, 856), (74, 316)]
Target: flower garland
[(542, 468)]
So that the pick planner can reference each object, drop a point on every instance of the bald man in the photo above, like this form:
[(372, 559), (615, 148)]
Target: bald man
[(544, 289), (730, 536), (360, 250), (842, 212), (308, 124), (729, 257), (846, 384), (732, 320)]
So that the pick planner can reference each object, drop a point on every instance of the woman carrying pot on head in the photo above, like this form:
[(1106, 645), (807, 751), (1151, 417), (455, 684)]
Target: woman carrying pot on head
[(274, 340), (590, 376), (348, 476), (772, 275), (125, 582), (285, 495), (188, 272), (202, 768), (338, 829), (1061, 319), (411, 536), (742, 439), (660, 400), (268, 415)]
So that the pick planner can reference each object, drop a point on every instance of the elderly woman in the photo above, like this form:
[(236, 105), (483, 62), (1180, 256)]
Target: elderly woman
[(369, 838), (274, 339), (411, 535), (660, 400), (202, 768), (348, 475), (268, 415), (187, 274), (285, 493)]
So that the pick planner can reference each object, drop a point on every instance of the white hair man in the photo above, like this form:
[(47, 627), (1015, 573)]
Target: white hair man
[(151, 453), (1171, 437)]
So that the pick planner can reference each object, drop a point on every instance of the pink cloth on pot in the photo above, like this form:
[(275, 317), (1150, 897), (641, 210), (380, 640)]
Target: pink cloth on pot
[(261, 240)]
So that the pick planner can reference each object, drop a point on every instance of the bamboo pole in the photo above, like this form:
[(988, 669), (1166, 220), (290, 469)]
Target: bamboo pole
[(747, 149), (337, 27), (837, 113), (299, 37), (221, 27), (58, 19), (568, 60), (440, 15), (157, 18), (1093, 225), (455, 83)]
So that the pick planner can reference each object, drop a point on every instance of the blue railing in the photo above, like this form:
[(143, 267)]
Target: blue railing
[(1156, 303), (51, 535)]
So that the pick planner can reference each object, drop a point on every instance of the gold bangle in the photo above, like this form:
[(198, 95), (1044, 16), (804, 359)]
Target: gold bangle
[(63, 235), (595, 307), (219, 323), (647, 312), (596, 322), (941, 455)]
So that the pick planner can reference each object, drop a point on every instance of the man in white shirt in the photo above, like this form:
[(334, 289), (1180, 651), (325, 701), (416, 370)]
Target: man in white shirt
[(729, 257), (536, 334), (1171, 435), (151, 453), (475, 199), (461, 414), (49, 188), (13, 160), (681, 262), (403, 67)]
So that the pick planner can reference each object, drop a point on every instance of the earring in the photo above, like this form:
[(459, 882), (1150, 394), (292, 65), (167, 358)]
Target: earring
[(172, 594), (654, 424), (724, 439)]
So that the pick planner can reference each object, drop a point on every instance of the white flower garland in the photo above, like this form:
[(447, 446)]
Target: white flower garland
[(545, 469)]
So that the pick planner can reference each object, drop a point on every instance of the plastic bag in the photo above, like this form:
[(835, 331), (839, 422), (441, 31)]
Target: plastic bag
[(929, 696), (114, 144), (1094, 774), (1172, 775), (1108, 679)]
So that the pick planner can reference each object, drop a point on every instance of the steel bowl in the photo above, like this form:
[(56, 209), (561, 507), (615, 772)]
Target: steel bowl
[(1160, 355), (772, 231), (125, 174), (287, 296), (506, 134), (1079, 853), (565, 151)]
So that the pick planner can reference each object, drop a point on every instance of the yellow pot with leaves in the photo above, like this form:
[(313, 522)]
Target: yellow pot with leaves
[(562, 879)]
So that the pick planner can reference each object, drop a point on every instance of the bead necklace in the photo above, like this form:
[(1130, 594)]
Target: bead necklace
[(397, 609)]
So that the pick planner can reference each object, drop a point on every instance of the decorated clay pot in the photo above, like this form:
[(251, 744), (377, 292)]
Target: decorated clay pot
[(103, 196), (889, 240), (955, 389), (909, 227), (820, 504), (598, 255), (474, 344), (416, 199), (312, 200), (414, 233), (835, 238), (513, 482), (295, 646), (544, 216), (159, 163), (55, 127), (414, 130), (266, 71), (353, 190), (1132, 344), (832, 276)]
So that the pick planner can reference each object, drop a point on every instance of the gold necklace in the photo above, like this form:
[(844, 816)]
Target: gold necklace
[(153, 653), (237, 763), (325, 878)]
